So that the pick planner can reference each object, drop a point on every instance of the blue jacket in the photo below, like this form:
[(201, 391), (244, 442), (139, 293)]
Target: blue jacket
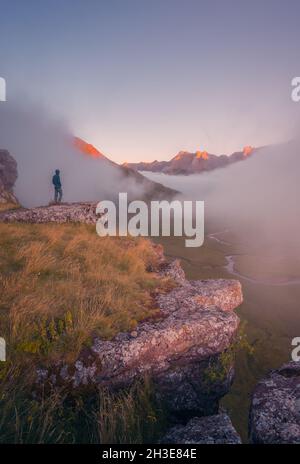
[(56, 181)]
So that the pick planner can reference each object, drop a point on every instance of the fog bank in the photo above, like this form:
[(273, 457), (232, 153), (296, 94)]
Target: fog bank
[(41, 143), (257, 199)]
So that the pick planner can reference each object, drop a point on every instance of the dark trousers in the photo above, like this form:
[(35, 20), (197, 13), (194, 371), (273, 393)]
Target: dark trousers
[(58, 194)]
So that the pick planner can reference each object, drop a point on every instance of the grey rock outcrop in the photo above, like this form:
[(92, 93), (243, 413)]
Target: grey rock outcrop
[(275, 407), (216, 429), (8, 177), (197, 324), (176, 351)]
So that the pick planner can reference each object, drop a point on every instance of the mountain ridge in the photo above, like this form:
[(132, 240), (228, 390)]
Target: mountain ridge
[(152, 189), (193, 162)]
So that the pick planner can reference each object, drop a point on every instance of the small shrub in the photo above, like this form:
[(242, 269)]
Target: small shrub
[(219, 367)]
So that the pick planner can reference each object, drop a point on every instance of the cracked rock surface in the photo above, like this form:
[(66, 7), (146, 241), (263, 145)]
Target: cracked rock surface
[(275, 407), (216, 429), (197, 325)]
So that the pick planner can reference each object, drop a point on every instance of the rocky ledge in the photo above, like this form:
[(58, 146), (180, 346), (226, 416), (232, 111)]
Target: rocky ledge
[(58, 213), (216, 429), (275, 408), (196, 325)]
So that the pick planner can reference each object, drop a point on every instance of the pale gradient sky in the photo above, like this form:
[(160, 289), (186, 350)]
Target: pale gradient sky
[(143, 79)]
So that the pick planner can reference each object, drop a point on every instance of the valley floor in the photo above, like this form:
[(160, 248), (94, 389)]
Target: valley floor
[(270, 310)]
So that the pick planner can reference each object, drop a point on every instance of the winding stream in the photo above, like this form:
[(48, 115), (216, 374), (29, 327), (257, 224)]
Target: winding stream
[(230, 267)]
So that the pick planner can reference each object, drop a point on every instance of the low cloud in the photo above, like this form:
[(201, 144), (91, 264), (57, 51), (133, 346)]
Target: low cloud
[(41, 143)]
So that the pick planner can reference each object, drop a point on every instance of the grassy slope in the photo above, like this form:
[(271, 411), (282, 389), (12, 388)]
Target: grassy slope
[(60, 285)]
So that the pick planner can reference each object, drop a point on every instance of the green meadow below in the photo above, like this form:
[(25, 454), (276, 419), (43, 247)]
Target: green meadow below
[(270, 312)]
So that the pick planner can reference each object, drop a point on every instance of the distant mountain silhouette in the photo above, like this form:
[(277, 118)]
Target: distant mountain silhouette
[(191, 163)]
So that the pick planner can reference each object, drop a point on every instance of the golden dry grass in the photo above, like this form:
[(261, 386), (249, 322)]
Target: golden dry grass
[(129, 416), (62, 284)]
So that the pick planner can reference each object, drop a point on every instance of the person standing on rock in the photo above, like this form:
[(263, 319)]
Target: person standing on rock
[(57, 186)]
